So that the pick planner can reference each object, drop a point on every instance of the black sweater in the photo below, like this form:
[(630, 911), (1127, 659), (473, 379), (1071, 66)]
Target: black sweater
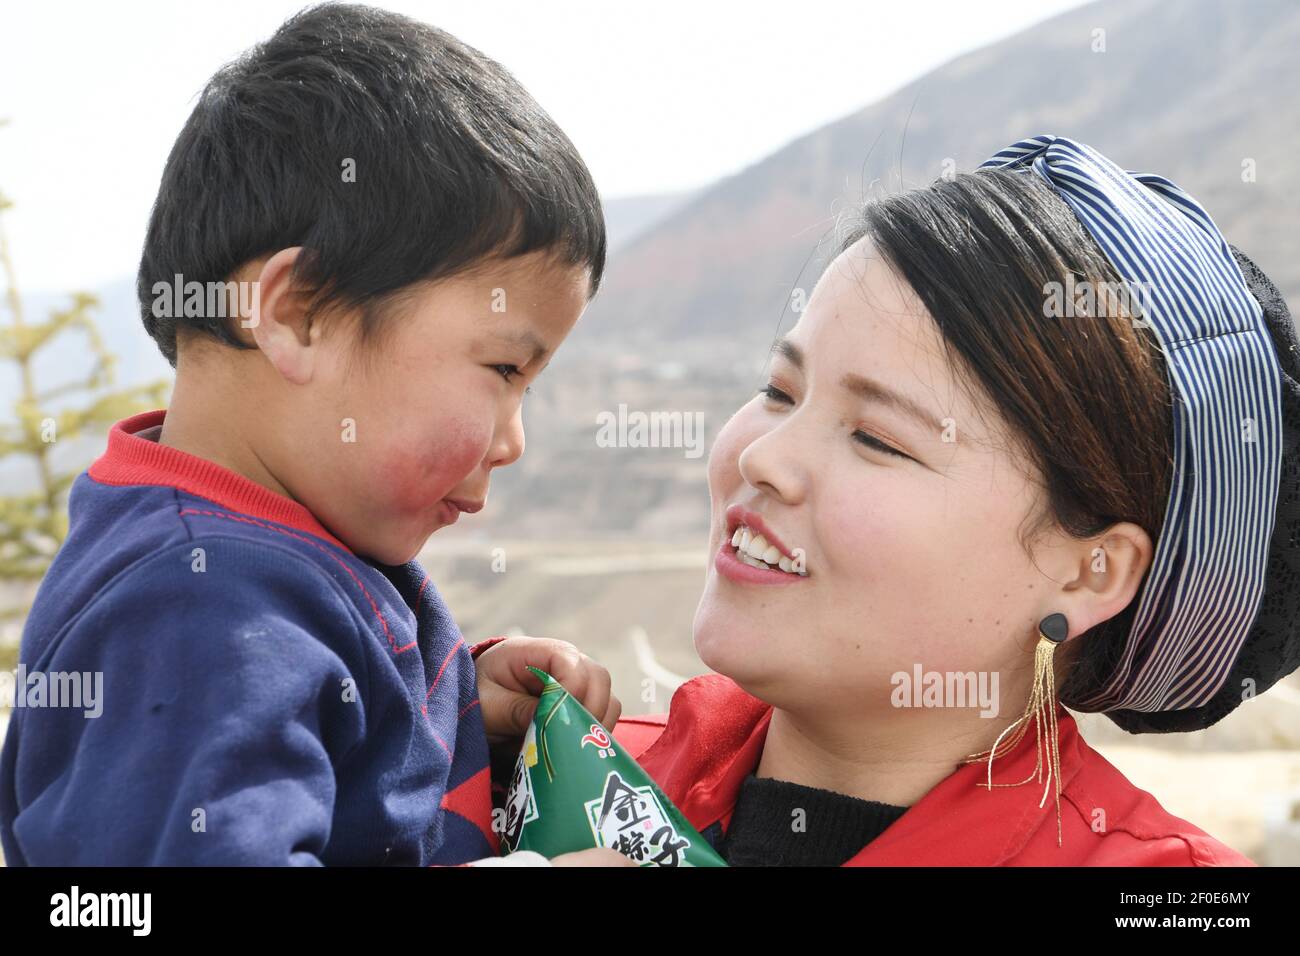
[(778, 823)]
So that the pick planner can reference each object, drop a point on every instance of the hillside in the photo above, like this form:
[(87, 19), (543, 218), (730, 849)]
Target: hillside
[(1189, 90)]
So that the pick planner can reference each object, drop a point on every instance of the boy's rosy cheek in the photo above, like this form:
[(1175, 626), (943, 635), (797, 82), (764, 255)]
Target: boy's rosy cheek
[(417, 478)]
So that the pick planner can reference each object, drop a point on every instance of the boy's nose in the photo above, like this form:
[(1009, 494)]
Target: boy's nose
[(508, 444)]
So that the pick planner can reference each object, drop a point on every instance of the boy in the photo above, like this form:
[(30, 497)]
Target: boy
[(399, 238)]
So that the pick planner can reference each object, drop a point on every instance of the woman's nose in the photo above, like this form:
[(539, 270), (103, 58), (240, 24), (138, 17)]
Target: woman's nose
[(773, 463)]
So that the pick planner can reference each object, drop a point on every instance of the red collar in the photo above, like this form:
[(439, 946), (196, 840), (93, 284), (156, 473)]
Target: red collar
[(135, 460), (714, 738)]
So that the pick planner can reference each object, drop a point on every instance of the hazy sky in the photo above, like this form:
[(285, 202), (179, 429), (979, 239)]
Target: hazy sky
[(657, 96)]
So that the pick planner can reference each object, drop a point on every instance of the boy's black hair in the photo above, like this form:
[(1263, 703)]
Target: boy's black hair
[(454, 161)]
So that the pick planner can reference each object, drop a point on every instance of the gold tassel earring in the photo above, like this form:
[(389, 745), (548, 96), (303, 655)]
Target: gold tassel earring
[(1052, 631)]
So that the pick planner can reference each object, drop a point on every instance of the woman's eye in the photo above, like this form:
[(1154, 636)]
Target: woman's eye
[(872, 442), (507, 371), (775, 394)]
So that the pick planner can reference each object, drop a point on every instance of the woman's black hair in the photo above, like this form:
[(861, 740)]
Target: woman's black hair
[(1085, 395), (451, 162)]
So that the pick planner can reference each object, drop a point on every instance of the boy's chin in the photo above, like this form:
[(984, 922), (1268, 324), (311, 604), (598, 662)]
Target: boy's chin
[(391, 536), (383, 551)]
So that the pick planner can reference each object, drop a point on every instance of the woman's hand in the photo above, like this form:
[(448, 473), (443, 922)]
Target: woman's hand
[(508, 692)]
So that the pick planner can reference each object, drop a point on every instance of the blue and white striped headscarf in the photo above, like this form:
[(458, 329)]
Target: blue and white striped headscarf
[(1207, 576)]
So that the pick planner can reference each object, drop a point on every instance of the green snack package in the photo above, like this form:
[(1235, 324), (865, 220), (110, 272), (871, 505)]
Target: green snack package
[(574, 788)]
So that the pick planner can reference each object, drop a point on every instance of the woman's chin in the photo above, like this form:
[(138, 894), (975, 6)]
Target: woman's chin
[(726, 645)]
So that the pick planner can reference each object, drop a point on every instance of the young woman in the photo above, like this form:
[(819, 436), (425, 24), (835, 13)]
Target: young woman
[(1036, 429)]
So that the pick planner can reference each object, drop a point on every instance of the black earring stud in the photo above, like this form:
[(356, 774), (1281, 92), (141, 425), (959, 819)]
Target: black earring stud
[(1055, 628)]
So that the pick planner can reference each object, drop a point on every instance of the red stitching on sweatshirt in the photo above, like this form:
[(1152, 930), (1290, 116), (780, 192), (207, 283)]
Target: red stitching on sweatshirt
[(419, 596), (445, 661), (416, 611), (425, 710), (253, 521), (466, 709)]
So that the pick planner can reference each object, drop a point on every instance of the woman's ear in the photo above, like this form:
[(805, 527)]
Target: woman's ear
[(279, 323), (1108, 572)]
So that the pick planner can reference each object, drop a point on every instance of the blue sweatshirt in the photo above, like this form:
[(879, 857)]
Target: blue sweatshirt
[(267, 697)]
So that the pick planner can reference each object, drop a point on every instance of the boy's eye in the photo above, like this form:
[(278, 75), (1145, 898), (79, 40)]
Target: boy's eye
[(508, 372)]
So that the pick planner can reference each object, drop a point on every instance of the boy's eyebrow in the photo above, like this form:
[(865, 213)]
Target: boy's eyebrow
[(867, 389), (525, 337)]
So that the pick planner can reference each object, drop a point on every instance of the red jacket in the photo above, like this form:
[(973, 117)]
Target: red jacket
[(701, 751)]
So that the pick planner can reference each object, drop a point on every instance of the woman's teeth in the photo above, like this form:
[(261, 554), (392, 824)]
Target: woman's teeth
[(754, 550)]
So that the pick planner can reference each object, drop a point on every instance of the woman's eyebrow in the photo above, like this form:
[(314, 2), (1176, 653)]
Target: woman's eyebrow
[(872, 391), (868, 389), (788, 350)]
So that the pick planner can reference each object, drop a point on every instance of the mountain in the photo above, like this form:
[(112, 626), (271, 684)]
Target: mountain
[(1190, 90), (117, 316), (627, 217)]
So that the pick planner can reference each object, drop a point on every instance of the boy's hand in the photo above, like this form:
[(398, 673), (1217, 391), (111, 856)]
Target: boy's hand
[(597, 856), (508, 692)]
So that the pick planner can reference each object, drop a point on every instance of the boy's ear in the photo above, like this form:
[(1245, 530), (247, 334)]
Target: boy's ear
[(279, 323)]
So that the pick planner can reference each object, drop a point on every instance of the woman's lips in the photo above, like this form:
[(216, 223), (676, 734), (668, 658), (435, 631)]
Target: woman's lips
[(733, 569), (739, 515)]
